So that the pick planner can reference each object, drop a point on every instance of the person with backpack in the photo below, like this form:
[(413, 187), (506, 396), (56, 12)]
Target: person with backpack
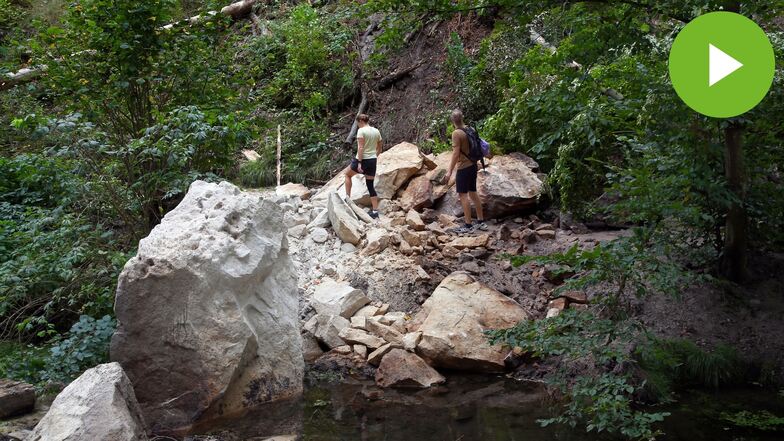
[(467, 151), (369, 146)]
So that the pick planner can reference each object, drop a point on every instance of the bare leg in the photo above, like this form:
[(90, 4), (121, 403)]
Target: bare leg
[(480, 215), (349, 174), (466, 207)]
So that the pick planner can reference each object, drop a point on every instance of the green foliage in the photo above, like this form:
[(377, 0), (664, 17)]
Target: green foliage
[(54, 262), (86, 345), (603, 398), (64, 359), (758, 420)]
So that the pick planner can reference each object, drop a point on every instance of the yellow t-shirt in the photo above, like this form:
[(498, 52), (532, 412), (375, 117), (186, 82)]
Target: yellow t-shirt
[(372, 136)]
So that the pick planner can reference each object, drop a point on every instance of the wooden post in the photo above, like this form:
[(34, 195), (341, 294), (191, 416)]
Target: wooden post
[(279, 151)]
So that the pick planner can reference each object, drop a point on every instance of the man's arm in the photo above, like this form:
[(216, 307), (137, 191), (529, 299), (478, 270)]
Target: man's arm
[(455, 156)]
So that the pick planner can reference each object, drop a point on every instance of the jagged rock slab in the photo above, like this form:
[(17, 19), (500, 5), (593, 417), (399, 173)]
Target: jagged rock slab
[(208, 310), (453, 321), (395, 167), (401, 368), (344, 221), (99, 405), (327, 328)]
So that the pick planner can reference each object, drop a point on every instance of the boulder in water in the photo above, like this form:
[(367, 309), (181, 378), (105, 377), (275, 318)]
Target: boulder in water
[(208, 310), (400, 368)]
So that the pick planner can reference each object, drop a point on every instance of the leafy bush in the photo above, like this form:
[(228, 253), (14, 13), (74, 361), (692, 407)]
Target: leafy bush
[(54, 263), (603, 398), (86, 345), (760, 420), (64, 358)]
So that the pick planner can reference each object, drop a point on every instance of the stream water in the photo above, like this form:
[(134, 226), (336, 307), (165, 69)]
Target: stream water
[(471, 408)]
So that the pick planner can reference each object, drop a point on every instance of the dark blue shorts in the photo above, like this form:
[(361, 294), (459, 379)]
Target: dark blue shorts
[(368, 166), (466, 179)]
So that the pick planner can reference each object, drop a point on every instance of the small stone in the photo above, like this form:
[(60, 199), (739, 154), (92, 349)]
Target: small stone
[(528, 236), (376, 356), (575, 297), (348, 248), (559, 303), (319, 235), (383, 309), (342, 350), (546, 234), (553, 312), (386, 332), (298, 231), (367, 311), (472, 267), (518, 220), (359, 322), (358, 336), (414, 221), (361, 350), (411, 340)]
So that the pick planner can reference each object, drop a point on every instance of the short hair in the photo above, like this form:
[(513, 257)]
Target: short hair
[(457, 116), (363, 118)]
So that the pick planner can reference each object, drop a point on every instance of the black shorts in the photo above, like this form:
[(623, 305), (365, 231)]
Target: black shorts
[(466, 179), (368, 166)]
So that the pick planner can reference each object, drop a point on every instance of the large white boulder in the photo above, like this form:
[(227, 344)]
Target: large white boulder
[(344, 221), (99, 405), (292, 190), (208, 310), (453, 321)]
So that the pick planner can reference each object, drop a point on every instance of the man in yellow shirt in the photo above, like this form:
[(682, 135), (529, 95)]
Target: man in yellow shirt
[(369, 146)]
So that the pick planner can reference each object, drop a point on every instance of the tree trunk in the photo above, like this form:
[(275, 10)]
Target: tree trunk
[(734, 260)]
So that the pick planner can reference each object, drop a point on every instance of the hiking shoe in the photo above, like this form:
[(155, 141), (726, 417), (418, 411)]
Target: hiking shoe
[(373, 214), (480, 226), (465, 229)]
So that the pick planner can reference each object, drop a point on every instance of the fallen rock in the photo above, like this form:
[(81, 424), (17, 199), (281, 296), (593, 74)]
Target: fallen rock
[(359, 322), (327, 328), (208, 310), (293, 190), (361, 350), (395, 167), (577, 297), (546, 234), (507, 186), (414, 221), (375, 357), (319, 235), (337, 298), (411, 340), (367, 311), (377, 241), (360, 337), (389, 334), (16, 398), (417, 195), (400, 368), (311, 350), (360, 213), (99, 405), (453, 321), (321, 221), (343, 220), (464, 242)]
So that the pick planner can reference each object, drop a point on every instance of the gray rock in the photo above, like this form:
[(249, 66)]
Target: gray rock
[(319, 235), (16, 398), (343, 220), (327, 328), (208, 310), (99, 405), (401, 368), (337, 298)]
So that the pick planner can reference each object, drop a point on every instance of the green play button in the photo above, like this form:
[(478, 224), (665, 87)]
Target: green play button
[(722, 64)]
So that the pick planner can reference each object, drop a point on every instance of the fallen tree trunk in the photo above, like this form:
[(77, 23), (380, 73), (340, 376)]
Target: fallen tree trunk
[(236, 11), (394, 77), (355, 126)]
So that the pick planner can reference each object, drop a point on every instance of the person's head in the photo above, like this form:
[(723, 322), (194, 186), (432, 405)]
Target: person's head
[(457, 118), (363, 120)]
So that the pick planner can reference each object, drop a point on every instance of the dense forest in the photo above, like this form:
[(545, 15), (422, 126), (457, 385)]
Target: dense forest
[(111, 108)]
